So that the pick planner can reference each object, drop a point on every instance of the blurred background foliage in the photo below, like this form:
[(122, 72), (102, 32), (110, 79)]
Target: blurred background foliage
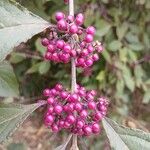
[(123, 72)]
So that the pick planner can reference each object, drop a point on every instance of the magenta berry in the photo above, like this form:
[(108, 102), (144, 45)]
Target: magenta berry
[(80, 124), (45, 42), (88, 38), (73, 29), (79, 19), (55, 128), (59, 16), (60, 44), (50, 100), (96, 128), (90, 30), (63, 38), (49, 119), (87, 130), (78, 112), (71, 119), (92, 105), (78, 106), (58, 109), (62, 25)]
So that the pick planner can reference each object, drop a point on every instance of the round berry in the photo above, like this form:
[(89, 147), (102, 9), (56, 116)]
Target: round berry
[(83, 113), (95, 128), (79, 19), (71, 119), (90, 30), (59, 16), (50, 100), (55, 128), (62, 25), (92, 105), (87, 130), (67, 48), (88, 38), (80, 124), (45, 42), (49, 119), (60, 44), (78, 106), (58, 87), (58, 109), (50, 48), (73, 29)]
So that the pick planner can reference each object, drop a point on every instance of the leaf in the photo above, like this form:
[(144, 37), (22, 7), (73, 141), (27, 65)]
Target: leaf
[(106, 55), (115, 45), (39, 46), (16, 58), (17, 25), (34, 68), (101, 76), (63, 146), (125, 138), (13, 115), (16, 146), (146, 98), (44, 67), (102, 27), (136, 46), (8, 84), (129, 81), (121, 30)]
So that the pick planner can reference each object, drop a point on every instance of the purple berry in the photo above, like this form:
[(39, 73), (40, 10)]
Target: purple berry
[(67, 48), (90, 30), (87, 130), (80, 124), (95, 128), (71, 119), (78, 106), (60, 44), (49, 119), (73, 29), (58, 109), (45, 42), (83, 114), (59, 16), (88, 38), (62, 25), (92, 105), (79, 19), (50, 100)]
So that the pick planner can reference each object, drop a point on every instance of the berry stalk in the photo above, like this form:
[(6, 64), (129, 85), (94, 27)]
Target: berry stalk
[(73, 74), (73, 65)]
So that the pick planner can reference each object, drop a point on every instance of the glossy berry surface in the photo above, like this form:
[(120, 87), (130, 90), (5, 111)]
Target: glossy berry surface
[(69, 39), (79, 113)]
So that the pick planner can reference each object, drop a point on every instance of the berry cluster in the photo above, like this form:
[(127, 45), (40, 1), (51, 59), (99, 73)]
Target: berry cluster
[(68, 39), (79, 112)]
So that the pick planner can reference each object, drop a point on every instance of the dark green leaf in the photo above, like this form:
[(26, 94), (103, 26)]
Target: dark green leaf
[(13, 115), (121, 30), (126, 138), (44, 67), (103, 27), (146, 98), (115, 45), (17, 25), (8, 84)]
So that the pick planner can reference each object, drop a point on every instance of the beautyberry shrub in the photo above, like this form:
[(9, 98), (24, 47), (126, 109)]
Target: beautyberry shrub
[(79, 112), (68, 39)]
